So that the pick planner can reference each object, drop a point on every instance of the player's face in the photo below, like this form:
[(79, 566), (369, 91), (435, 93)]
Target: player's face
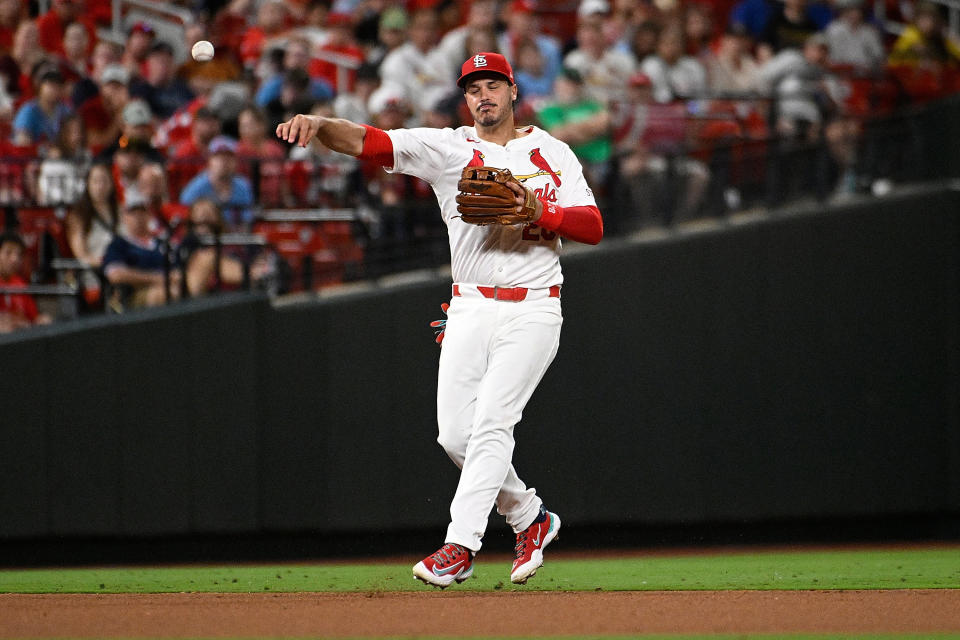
[(490, 100)]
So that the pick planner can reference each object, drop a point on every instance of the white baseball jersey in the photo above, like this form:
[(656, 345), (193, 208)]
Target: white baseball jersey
[(505, 256)]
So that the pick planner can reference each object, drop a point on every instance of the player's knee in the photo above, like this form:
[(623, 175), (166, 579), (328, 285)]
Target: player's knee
[(452, 443)]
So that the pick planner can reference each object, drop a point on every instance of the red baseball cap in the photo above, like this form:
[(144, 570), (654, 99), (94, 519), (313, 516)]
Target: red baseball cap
[(488, 62)]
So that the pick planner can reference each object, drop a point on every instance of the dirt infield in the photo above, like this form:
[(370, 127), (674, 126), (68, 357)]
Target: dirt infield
[(463, 613)]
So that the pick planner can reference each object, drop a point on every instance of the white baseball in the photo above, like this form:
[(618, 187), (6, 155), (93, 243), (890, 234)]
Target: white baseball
[(202, 51)]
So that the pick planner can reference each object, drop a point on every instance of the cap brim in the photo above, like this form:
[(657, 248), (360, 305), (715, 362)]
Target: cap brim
[(464, 79)]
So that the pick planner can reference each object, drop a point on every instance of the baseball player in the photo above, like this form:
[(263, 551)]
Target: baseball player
[(503, 324)]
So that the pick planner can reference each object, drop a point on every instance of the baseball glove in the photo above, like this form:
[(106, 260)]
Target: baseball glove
[(485, 197)]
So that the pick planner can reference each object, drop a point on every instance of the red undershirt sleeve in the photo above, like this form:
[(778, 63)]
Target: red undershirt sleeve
[(581, 224), (377, 147)]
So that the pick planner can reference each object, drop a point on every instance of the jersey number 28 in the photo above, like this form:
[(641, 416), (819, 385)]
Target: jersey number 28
[(533, 233)]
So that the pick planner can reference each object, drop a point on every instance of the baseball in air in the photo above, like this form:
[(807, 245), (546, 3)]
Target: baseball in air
[(202, 51)]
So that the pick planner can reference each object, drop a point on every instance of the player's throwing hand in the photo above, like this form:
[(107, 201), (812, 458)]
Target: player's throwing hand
[(302, 125)]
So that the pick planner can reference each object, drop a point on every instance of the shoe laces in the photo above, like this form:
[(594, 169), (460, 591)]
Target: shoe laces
[(448, 553), (521, 545)]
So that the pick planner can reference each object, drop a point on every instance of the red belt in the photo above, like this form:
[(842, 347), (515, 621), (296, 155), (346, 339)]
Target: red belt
[(512, 294)]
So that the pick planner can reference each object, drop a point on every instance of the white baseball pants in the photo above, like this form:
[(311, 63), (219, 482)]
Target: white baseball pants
[(493, 356)]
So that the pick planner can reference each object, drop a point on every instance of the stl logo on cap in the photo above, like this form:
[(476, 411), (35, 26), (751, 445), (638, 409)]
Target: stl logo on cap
[(487, 62), (479, 60)]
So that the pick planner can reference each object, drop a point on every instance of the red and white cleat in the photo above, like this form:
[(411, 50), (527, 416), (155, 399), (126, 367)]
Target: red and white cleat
[(451, 563), (530, 545)]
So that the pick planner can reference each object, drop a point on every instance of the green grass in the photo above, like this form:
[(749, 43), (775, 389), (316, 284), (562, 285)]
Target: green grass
[(872, 569)]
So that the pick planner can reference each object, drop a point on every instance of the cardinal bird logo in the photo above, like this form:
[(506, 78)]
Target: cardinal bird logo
[(540, 163), (477, 160)]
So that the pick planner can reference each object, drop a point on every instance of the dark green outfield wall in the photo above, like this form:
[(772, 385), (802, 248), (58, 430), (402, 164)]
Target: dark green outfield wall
[(801, 367)]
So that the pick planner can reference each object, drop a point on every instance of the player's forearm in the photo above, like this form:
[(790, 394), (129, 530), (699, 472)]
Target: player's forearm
[(342, 135), (580, 224)]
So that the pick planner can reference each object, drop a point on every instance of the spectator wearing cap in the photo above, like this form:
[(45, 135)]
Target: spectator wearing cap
[(38, 121), (87, 87), (583, 122), (296, 56), (136, 123), (731, 66), (522, 25), (17, 310), (391, 33), (674, 74), (409, 66), (52, 25), (221, 183), (139, 40), (12, 12), (103, 113), (605, 70), (160, 86), (852, 40), (341, 42), (273, 19), (135, 262)]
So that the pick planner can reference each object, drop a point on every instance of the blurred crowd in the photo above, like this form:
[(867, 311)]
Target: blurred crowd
[(143, 154)]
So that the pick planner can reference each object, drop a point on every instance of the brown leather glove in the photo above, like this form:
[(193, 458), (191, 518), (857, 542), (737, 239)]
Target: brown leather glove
[(485, 197)]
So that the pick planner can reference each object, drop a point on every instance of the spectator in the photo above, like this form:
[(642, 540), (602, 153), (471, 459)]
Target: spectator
[(205, 267), (789, 26), (697, 29), (531, 74), (925, 44), (92, 223), (582, 122), (159, 86), (135, 262), (353, 105), (802, 87), (12, 12), (658, 181), (220, 182), (272, 21), (296, 56), (408, 67), (674, 75), (204, 127), (391, 33), (38, 121), (139, 40), (453, 50), (254, 142), (152, 186), (76, 51), (754, 15), (128, 159), (295, 97), (341, 43), (136, 123), (524, 25), (103, 113), (61, 179), (25, 55), (852, 40), (643, 41), (731, 67), (17, 310), (605, 71), (104, 55), (52, 25)]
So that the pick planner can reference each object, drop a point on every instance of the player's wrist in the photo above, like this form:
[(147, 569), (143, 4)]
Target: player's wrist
[(550, 215)]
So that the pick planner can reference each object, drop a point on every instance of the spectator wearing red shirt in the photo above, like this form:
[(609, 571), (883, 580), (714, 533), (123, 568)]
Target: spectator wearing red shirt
[(254, 141), (52, 25), (16, 310), (11, 13), (103, 114), (24, 56), (138, 44), (272, 20), (340, 41)]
